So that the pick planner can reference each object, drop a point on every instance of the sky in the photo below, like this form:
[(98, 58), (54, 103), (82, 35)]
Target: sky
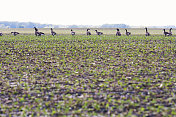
[(90, 12)]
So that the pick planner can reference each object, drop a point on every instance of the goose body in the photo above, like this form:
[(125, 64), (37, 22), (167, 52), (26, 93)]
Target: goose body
[(15, 33), (98, 33), (88, 32), (72, 32), (52, 32), (166, 33), (170, 31), (37, 33), (127, 33), (118, 32), (146, 32)]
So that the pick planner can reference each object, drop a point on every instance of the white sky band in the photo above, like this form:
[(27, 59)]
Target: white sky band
[(92, 12)]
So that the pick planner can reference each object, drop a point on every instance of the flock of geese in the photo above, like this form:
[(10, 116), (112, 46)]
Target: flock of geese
[(37, 33)]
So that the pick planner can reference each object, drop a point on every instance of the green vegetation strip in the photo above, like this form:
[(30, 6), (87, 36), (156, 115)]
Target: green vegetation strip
[(87, 76)]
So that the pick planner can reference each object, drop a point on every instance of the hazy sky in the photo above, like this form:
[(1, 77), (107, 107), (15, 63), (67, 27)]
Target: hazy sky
[(90, 12)]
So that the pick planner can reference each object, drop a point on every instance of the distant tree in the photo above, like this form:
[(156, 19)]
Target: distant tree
[(170, 26), (21, 26), (114, 26), (73, 26), (2, 26)]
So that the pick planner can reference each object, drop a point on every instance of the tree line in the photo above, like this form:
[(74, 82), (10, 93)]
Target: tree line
[(7, 24)]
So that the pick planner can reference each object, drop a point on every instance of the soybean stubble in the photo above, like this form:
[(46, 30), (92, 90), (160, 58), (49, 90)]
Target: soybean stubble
[(87, 75)]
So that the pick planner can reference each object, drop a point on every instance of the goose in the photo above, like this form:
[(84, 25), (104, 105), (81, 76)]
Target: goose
[(15, 33), (72, 32), (38, 33), (98, 33), (118, 32), (146, 32), (170, 31), (127, 33), (52, 32), (166, 33), (88, 32), (36, 29)]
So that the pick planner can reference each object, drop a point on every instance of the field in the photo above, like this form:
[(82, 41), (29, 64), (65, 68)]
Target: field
[(87, 75)]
